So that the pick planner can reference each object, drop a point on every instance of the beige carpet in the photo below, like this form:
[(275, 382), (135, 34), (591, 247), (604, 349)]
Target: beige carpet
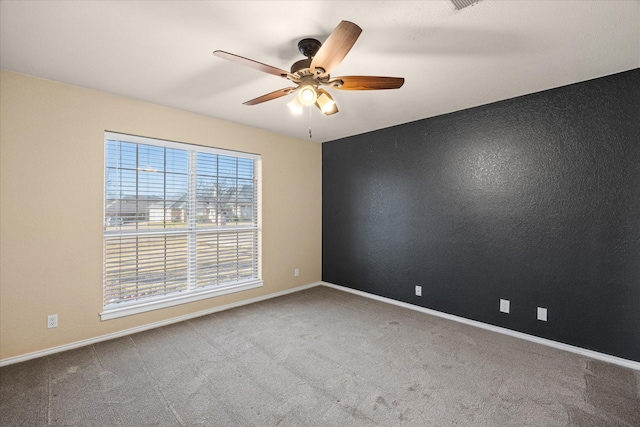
[(319, 357)]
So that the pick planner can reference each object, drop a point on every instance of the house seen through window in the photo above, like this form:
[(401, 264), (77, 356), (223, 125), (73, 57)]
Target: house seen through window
[(180, 223)]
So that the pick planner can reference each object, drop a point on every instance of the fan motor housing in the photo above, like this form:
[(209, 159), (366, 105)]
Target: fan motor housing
[(300, 65)]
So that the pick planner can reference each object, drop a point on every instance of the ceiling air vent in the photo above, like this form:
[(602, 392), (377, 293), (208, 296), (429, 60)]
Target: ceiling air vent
[(461, 4)]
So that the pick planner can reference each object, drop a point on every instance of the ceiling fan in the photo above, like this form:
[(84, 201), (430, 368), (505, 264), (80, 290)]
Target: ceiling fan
[(312, 73)]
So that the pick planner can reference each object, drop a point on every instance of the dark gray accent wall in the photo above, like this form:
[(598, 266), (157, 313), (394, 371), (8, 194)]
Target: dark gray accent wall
[(534, 199)]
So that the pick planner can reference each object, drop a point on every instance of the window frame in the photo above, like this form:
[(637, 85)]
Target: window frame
[(194, 292)]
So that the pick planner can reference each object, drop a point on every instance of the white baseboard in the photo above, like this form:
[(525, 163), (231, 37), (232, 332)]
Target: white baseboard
[(82, 343), (566, 347)]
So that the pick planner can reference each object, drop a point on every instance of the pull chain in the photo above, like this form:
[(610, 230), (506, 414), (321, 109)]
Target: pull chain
[(310, 134)]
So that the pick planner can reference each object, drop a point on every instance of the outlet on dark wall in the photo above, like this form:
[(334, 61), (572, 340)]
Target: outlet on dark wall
[(535, 199)]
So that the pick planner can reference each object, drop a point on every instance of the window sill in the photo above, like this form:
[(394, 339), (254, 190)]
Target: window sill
[(142, 307)]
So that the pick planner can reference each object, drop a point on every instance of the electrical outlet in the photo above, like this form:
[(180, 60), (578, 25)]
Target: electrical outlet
[(419, 291), (505, 306), (542, 314), (296, 272), (52, 321)]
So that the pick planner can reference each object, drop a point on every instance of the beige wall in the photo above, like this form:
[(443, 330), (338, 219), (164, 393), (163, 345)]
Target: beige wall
[(51, 207)]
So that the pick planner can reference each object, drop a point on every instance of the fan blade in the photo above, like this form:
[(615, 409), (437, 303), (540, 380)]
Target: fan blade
[(251, 63), (273, 95), (336, 47), (367, 82)]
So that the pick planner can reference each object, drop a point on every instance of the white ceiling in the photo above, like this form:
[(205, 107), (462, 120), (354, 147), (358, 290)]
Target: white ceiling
[(161, 52)]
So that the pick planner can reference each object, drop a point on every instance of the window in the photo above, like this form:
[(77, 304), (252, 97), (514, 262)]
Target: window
[(180, 224)]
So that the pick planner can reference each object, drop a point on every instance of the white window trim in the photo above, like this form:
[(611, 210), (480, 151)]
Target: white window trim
[(164, 302), (159, 302)]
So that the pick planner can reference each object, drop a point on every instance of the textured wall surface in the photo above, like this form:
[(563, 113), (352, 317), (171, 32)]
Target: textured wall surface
[(534, 199)]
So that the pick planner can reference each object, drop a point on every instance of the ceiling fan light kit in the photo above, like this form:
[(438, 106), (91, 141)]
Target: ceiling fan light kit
[(295, 106), (314, 71), (326, 103), (307, 95)]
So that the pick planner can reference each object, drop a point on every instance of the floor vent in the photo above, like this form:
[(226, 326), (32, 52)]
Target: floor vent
[(461, 4)]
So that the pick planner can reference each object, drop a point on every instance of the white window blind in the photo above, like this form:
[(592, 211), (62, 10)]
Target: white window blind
[(180, 223)]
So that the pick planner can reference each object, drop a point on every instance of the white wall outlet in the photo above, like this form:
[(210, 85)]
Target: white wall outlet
[(542, 314), (296, 272), (505, 306), (419, 291), (52, 321)]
